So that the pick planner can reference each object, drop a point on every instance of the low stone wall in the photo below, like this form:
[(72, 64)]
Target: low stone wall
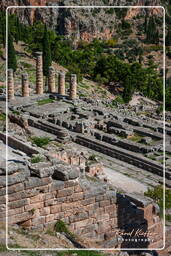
[(121, 154), (17, 144), (49, 127)]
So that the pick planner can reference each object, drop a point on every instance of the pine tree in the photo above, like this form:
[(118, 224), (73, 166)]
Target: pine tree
[(18, 31), (128, 90), (47, 59), (168, 37), (152, 34), (12, 61)]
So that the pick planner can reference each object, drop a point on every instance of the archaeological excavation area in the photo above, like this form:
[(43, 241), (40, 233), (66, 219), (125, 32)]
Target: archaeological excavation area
[(59, 145)]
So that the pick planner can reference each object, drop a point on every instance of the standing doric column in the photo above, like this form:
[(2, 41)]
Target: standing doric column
[(39, 73), (61, 86), (51, 80), (73, 87), (10, 84), (25, 85)]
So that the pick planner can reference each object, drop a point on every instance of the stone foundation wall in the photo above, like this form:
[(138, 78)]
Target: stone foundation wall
[(91, 211)]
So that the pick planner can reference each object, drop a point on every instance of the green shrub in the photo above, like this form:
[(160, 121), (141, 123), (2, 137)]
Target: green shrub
[(92, 157), (117, 100), (168, 217), (3, 248), (36, 159), (2, 117), (156, 193), (40, 141), (26, 65), (60, 227)]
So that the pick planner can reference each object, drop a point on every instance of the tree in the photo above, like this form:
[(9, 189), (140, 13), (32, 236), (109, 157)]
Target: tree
[(18, 31), (12, 61), (128, 89), (47, 59), (152, 34), (168, 37)]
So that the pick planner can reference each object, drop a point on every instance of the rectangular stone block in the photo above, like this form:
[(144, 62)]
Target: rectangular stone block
[(102, 217), (14, 188), (76, 197), (59, 215), (55, 208), (15, 211), (65, 192), (22, 194), (49, 202), (34, 182), (2, 191), (2, 199), (83, 223), (104, 203), (34, 206), (104, 226), (88, 201), (38, 221), (69, 206), (49, 218), (93, 206), (110, 208), (37, 198), (18, 203), (70, 183), (48, 196), (57, 185), (19, 218), (45, 211), (78, 217)]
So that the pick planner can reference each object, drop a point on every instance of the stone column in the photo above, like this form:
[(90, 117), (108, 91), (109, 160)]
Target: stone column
[(73, 87), (51, 80), (25, 85), (61, 86), (39, 73), (10, 84)]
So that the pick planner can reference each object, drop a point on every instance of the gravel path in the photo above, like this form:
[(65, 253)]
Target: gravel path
[(124, 182)]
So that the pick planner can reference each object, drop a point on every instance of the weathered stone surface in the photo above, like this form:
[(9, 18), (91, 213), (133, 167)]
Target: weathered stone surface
[(65, 173), (32, 182), (42, 169)]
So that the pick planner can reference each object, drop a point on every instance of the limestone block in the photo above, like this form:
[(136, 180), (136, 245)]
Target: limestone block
[(38, 221), (42, 169), (88, 201), (45, 211), (34, 206), (56, 185), (83, 223), (18, 203), (33, 182), (64, 173), (19, 218), (55, 209), (49, 218), (65, 192), (37, 198)]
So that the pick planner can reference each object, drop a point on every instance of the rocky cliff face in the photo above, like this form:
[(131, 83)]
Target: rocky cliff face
[(83, 23)]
